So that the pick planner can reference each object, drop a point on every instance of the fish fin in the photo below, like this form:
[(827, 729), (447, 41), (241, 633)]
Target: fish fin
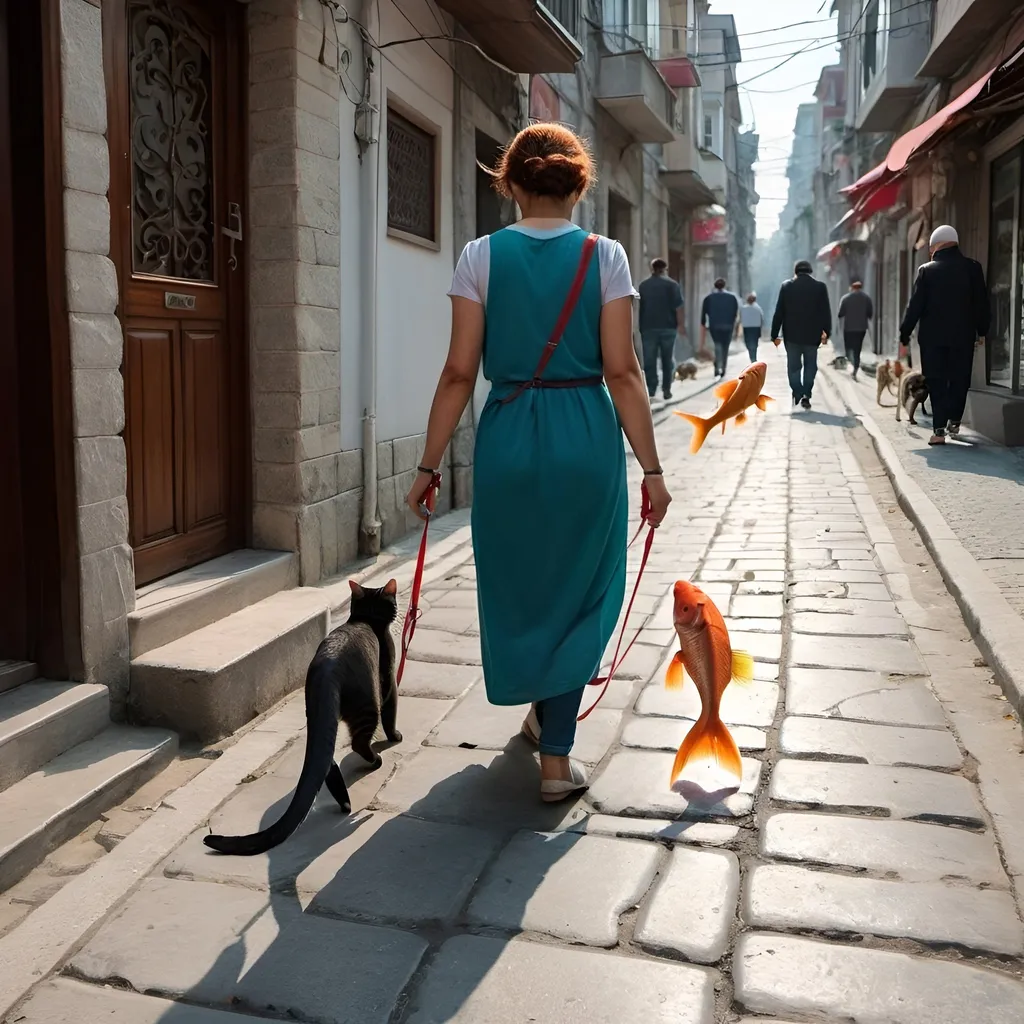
[(725, 389), (742, 668), (675, 677), (762, 402), (741, 418), (710, 741), (723, 426), (700, 429)]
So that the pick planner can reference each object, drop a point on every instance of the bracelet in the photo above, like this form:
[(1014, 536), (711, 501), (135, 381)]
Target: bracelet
[(424, 469), (654, 472)]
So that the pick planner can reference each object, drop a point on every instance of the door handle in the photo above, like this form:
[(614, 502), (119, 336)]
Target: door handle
[(233, 230)]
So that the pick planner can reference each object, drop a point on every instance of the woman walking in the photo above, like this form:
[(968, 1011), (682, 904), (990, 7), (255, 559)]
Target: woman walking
[(752, 318), (549, 309)]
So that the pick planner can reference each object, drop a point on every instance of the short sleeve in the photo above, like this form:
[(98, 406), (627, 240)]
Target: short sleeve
[(472, 271), (616, 282)]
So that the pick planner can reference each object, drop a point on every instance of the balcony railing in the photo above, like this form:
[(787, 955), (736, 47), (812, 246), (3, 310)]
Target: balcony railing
[(566, 13)]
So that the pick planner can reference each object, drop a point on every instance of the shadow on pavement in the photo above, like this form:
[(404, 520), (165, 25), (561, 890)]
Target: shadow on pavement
[(826, 419)]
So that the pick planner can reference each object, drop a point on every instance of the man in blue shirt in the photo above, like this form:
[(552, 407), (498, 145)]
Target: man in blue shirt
[(719, 314), (661, 318)]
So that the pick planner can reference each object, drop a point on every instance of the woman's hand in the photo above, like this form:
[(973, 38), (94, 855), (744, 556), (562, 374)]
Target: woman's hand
[(659, 498), (416, 499)]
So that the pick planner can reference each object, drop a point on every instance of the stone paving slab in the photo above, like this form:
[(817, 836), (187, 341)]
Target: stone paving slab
[(753, 606), (441, 647), (874, 744), (691, 910), (62, 1001), (820, 576), (863, 696), (753, 625), (781, 897), (476, 979), (430, 679), (635, 782), (217, 944), (565, 884), (463, 621), (760, 646), (837, 624), (650, 733), (487, 726), (781, 974), (909, 850), (887, 653), (701, 833), (845, 606), (476, 787), (753, 704), (899, 792)]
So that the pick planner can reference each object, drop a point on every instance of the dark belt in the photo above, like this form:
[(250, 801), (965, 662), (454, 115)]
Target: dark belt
[(529, 385)]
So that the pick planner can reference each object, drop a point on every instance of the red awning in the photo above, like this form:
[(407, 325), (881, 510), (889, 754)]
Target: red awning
[(827, 252), (679, 72), (865, 181), (880, 199), (917, 138)]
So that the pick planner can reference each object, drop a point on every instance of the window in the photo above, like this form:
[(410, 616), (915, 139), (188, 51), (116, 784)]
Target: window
[(675, 40), (709, 132), (1004, 264), (412, 180)]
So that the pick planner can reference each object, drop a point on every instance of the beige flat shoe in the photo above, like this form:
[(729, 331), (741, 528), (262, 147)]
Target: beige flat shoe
[(553, 790), (531, 727)]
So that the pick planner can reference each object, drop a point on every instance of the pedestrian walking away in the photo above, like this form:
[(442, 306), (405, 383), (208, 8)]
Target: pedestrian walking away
[(803, 318), (856, 311), (752, 319), (950, 309), (549, 491), (661, 320), (719, 315)]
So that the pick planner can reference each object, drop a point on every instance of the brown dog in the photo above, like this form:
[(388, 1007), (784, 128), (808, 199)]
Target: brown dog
[(913, 392), (886, 378), (686, 371)]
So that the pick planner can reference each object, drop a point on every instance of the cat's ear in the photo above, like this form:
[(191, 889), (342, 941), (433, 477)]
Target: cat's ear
[(391, 588), (357, 591)]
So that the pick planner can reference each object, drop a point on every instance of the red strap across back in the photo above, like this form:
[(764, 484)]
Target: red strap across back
[(571, 301)]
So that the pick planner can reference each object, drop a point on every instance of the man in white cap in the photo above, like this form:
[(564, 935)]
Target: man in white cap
[(950, 309)]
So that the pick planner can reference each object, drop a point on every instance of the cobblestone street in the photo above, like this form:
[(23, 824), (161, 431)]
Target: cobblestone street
[(867, 870)]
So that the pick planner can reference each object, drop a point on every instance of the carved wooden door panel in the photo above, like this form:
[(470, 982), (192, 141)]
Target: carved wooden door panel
[(177, 179)]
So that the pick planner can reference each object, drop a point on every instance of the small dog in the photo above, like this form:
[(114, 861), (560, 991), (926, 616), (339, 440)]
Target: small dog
[(839, 363), (686, 371), (913, 392), (886, 377)]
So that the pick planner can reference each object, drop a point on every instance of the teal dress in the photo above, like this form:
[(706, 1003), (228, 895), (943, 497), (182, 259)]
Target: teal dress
[(549, 494)]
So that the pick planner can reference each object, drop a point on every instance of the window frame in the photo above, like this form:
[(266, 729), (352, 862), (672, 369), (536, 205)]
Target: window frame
[(405, 112)]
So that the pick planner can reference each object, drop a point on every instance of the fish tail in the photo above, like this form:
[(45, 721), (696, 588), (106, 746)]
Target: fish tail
[(708, 740), (701, 428)]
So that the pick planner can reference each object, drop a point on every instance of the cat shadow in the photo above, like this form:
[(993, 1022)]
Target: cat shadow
[(407, 884)]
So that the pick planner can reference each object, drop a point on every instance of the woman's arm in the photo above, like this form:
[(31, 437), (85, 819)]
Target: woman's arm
[(629, 393), (454, 389)]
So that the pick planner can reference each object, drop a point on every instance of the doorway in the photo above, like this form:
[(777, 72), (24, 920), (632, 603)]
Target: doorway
[(176, 119), (492, 211)]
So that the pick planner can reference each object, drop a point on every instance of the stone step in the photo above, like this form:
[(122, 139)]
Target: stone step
[(174, 607), (40, 720), (43, 810), (211, 682), (14, 673)]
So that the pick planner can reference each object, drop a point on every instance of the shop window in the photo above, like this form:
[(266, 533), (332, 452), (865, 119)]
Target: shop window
[(412, 180), (1004, 272)]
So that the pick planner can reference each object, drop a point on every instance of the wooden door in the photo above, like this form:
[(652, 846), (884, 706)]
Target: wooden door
[(178, 184)]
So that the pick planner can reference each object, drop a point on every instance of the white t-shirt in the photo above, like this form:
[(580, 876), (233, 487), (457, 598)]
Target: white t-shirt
[(474, 266)]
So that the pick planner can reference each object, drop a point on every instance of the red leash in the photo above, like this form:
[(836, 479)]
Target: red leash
[(412, 616), (645, 512)]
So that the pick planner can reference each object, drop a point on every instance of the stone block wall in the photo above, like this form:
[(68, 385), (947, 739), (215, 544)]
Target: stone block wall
[(396, 470), (107, 576), (306, 490)]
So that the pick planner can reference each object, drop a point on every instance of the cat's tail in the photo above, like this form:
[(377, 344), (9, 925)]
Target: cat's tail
[(322, 712)]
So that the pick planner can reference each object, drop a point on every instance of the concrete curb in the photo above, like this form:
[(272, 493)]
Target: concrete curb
[(996, 628)]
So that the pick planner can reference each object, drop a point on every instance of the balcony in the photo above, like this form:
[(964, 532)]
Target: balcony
[(527, 36), (692, 176), (894, 87), (633, 91), (961, 29)]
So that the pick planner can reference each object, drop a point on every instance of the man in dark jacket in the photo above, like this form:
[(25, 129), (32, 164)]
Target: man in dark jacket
[(950, 309), (804, 316), (856, 311), (661, 318), (720, 315)]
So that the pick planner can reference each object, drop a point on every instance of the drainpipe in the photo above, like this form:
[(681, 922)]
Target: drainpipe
[(367, 131)]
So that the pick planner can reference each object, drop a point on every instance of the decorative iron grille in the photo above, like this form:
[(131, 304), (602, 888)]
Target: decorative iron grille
[(171, 91), (412, 178)]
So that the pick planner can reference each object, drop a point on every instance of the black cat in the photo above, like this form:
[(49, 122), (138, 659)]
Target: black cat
[(351, 678)]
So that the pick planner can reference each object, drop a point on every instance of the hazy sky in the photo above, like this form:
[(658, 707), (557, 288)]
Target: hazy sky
[(767, 36)]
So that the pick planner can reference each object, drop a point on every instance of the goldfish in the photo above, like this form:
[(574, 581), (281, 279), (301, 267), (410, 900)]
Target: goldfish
[(707, 656), (736, 397)]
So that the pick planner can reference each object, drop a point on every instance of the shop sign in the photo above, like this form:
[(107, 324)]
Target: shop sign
[(710, 231)]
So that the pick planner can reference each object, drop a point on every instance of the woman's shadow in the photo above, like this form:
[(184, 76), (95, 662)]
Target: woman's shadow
[(359, 906)]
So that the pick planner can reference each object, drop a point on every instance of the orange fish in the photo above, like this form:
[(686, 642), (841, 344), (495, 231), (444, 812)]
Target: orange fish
[(708, 657), (736, 397)]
